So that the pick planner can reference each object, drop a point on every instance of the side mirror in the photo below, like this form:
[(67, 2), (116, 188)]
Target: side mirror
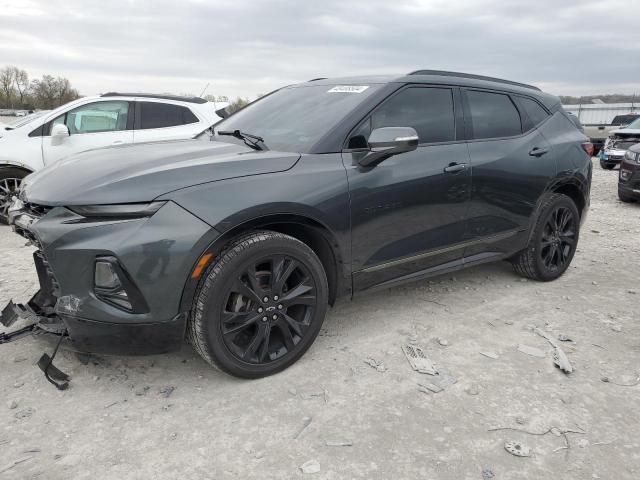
[(388, 141), (59, 133)]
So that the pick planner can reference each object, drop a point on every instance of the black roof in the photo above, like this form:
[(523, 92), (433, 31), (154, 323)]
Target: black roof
[(154, 95)]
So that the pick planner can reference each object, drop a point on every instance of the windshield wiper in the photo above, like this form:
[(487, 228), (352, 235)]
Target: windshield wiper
[(252, 141)]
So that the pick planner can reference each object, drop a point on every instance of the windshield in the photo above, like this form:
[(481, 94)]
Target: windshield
[(295, 118), (634, 124)]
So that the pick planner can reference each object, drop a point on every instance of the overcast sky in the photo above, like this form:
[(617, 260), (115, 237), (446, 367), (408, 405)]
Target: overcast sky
[(246, 47)]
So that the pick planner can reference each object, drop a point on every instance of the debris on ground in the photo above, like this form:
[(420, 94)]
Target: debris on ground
[(312, 466), (142, 391), (331, 443), (443, 342), (564, 338), (517, 449), (559, 357), (633, 384), (24, 413), (533, 351), (377, 364), (306, 421), (6, 468), (473, 390), (166, 392), (12, 404), (323, 394), (429, 388), (492, 355), (487, 474), (418, 360), (439, 382)]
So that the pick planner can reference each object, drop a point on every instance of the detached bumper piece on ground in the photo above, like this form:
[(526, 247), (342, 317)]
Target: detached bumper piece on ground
[(42, 324)]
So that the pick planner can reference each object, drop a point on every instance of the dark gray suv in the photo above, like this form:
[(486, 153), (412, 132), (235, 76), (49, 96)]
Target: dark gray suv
[(241, 238)]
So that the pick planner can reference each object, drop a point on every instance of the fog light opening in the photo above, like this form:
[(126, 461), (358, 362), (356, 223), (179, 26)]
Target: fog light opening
[(113, 286)]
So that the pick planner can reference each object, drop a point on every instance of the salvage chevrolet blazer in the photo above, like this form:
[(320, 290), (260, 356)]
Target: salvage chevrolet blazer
[(241, 238)]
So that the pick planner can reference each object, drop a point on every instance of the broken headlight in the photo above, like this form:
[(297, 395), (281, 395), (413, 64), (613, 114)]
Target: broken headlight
[(120, 211), (632, 156)]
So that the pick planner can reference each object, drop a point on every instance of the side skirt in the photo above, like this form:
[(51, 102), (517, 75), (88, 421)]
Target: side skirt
[(478, 259)]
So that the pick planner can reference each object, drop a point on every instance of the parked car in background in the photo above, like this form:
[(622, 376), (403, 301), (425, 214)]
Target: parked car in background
[(618, 143), (598, 133), (20, 121), (93, 122), (629, 176), (319, 190)]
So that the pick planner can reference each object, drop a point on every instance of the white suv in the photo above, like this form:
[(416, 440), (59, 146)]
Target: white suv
[(94, 122)]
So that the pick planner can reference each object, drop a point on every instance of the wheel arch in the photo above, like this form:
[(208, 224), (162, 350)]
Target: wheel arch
[(573, 191), (309, 231), (18, 165), (571, 187)]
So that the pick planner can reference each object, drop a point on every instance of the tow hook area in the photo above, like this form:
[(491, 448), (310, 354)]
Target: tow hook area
[(41, 324)]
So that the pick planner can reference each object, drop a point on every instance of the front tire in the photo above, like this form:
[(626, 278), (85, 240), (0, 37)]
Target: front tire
[(553, 242), (607, 165), (259, 306), (10, 180)]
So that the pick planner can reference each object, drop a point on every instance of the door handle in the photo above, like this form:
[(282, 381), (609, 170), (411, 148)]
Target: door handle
[(117, 142), (538, 152), (455, 167)]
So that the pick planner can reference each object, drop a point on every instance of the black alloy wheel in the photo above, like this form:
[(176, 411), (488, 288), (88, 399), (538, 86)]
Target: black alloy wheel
[(268, 310), (558, 239)]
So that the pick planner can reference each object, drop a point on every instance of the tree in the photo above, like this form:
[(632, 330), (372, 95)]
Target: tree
[(50, 92), (6, 86), (21, 81), (237, 104)]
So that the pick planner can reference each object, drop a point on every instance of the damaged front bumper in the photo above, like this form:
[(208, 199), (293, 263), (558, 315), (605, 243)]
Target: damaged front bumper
[(154, 255)]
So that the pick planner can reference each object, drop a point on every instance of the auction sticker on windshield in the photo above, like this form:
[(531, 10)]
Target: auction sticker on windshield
[(348, 89)]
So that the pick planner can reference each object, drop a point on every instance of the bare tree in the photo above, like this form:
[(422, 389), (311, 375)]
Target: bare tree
[(6, 85), (21, 81)]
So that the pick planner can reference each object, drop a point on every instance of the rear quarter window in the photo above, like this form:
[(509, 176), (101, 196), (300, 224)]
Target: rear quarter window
[(161, 115), (533, 110)]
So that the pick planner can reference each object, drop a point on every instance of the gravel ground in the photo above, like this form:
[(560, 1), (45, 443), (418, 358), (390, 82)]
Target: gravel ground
[(120, 418)]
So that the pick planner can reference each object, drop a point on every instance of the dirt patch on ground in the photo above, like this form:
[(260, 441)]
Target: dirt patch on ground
[(352, 407)]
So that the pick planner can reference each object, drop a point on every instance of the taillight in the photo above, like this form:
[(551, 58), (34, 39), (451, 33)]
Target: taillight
[(587, 147)]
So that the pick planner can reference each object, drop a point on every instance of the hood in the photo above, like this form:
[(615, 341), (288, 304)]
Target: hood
[(143, 172), (635, 132)]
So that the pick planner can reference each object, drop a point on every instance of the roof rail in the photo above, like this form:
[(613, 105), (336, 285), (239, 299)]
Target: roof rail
[(158, 96), (316, 79), (443, 73)]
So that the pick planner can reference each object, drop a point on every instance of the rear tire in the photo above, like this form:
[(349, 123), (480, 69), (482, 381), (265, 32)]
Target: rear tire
[(553, 241), (10, 180), (259, 306)]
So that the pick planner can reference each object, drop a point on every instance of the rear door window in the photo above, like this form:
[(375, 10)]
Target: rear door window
[(493, 115), (161, 115)]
